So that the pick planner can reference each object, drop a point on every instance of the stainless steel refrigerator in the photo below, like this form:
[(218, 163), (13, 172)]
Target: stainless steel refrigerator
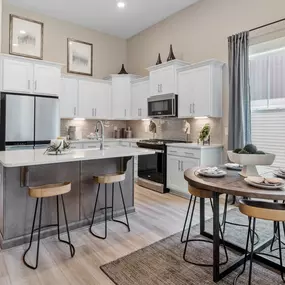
[(28, 121)]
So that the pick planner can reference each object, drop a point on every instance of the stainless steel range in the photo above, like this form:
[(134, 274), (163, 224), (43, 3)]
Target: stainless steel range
[(152, 168)]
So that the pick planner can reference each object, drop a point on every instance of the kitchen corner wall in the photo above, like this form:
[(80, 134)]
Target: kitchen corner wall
[(166, 129)]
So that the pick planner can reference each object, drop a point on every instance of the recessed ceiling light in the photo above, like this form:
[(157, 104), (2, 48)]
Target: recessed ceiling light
[(15, 45), (121, 4), (22, 32)]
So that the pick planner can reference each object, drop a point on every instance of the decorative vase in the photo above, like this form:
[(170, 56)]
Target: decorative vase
[(171, 55), (159, 60), (123, 70)]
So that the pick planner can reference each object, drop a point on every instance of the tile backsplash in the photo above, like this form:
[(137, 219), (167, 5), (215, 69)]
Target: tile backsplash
[(166, 129)]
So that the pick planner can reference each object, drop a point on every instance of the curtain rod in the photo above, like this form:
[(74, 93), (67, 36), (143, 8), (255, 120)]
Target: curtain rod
[(266, 25)]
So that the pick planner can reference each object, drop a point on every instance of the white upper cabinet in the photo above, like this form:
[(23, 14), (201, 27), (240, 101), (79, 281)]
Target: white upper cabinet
[(17, 76), (200, 90), (94, 99), (140, 93), (69, 98), (46, 79), (163, 77), (30, 76), (121, 96)]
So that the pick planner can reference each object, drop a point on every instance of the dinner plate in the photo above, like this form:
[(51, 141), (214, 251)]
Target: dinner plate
[(263, 186), (279, 174), (221, 173), (233, 166)]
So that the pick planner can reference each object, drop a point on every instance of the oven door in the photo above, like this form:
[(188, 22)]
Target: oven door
[(163, 106), (152, 167)]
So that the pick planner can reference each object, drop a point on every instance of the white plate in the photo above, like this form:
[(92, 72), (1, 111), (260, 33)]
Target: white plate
[(59, 153), (222, 173), (268, 187), (279, 174), (233, 166)]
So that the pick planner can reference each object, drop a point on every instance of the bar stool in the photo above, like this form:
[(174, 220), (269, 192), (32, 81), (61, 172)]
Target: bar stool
[(200, 194), (47, 191), (109, 179), (274, 212)]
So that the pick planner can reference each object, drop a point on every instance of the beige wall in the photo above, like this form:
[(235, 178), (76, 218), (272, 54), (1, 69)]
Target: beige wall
[(108, 54), (200, 32)]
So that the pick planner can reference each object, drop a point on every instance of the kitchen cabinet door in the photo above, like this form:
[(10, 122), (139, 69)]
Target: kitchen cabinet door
[(186, 163), (69, 98), (173, 173), (47, 79), (17, 76), (87, 99), (202, 91), (103, 100), (121, 97), (140, 93), (163, 81)]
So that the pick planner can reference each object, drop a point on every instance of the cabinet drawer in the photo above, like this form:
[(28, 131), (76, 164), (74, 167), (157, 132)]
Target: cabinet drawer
[(184, 152), (76, 146), (91, 145)]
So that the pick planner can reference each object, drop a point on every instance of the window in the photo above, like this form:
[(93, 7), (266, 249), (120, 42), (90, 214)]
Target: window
[(267, 86)]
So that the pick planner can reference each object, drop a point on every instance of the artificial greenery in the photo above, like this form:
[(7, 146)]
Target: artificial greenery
[(205, 132), (249, 149)]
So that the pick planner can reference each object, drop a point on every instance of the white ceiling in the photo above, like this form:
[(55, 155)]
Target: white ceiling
[(104, 16)]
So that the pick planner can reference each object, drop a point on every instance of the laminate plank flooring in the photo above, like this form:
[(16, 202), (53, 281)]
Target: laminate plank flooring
[(157, 216)]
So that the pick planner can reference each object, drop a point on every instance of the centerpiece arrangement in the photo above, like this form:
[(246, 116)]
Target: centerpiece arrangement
[(58, 146), (249, 157)]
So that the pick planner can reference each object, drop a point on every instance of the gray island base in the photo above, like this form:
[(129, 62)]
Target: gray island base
[(17, 208)]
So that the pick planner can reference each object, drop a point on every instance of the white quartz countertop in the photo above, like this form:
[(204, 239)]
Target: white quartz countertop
[(194, 145), (18, 158), (106, 140)]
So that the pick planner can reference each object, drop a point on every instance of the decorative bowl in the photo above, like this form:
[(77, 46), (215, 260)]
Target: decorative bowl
[(249, 161)]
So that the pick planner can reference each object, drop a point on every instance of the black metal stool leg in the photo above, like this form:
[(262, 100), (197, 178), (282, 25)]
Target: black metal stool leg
[(71, 247), (189, 229), (225, 213), (32, 233), (246, 251), (251, 253), (94, 211), (125, 210), (186, 218), (280, 251)]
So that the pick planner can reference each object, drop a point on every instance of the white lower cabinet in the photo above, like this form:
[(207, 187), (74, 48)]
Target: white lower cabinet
[(181, 159)]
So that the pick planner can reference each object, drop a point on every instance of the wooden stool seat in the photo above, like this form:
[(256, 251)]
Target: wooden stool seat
[(199, 193), (110, 178), (50, 190), (263, 210)]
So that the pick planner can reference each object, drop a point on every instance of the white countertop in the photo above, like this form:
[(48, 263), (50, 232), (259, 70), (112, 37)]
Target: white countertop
[(106, 140), (194, 145), (17, 158)]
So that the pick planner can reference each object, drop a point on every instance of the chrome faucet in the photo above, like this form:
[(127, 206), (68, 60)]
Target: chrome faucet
[(102, 134)]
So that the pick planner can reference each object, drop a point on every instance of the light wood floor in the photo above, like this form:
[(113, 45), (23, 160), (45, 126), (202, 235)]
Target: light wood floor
[(157, 216)]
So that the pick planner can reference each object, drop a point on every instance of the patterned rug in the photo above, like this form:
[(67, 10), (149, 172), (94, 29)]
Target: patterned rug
[(162, 262)]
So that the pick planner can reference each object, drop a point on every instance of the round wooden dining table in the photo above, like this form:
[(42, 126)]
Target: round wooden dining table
[(231, 184)]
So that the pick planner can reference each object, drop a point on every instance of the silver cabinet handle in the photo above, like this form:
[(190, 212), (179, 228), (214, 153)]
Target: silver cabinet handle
[(172, 151), (74, 111), (29, 84), (125, 112), (138, 112), (95, 112), (36, 85), (194, 108), (189, 153), (182, 166), (160, 87), (92, 112), (179, 165), (190, 108)]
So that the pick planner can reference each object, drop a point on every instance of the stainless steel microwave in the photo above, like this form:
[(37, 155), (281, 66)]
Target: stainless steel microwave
[(163, 106)]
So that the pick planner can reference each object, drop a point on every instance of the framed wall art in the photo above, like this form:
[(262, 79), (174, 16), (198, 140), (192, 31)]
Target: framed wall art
[(26, 37), (79, 57)]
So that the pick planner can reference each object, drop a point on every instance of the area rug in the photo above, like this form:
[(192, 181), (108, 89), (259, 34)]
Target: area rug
[(162, 262)]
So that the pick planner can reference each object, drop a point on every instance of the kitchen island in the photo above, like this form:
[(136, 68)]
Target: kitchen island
[(23, 168)]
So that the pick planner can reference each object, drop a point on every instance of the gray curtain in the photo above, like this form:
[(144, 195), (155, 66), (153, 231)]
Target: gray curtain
[(239, 101)]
